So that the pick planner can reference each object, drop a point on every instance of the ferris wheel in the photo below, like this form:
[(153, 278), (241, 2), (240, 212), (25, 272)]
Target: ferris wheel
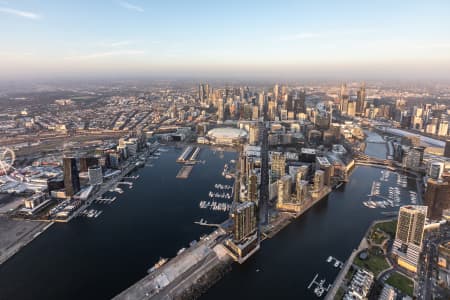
[(7, 158)]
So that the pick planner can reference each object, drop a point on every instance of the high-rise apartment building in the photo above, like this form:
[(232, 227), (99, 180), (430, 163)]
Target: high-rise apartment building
[(284, 190), (253, 188), (244, 218), (409, 235), (278, 165), (319, 178)]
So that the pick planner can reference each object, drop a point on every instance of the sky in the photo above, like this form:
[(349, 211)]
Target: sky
[(364, 39)]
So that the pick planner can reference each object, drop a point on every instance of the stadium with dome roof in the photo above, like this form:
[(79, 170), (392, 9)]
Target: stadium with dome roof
[(226, 136)]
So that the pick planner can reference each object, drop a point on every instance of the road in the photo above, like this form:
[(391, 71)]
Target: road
[(426, 288)]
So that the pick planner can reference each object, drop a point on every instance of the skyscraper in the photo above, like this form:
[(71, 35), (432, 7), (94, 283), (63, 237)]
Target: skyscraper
[(253, 134), (437, 197), (361, 98), (203, 93), (319, 180), (447, 149), (244, 218), (220, 110), (284, 190), (253, 188), (443, 128), (409, 235), (301, 190), (278, 165), (71, 179), (86, 162), (296, 102)]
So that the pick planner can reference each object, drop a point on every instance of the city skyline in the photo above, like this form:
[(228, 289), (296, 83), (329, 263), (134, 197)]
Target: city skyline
[(233, 39)]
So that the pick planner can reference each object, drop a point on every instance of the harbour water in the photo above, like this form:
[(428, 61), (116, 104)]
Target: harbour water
[(99, 257), (96, 258)]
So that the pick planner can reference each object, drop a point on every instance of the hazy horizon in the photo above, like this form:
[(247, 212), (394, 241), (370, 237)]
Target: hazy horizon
[(235, 39)]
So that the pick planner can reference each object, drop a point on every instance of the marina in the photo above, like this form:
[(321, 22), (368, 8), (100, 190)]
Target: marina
[(319, 286), (90, 213), (336, 263), (101, 200), (393, 197), (215, 206)]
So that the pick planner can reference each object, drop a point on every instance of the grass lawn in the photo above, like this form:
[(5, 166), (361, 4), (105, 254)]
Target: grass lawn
[(389, 227), (375, 263), (402, 283), (339, 294)]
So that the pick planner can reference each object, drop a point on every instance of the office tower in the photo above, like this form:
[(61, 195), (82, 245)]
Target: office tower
[(343, 99), (95, 175), (276, 92), (71, 179), (296, 102), (351, 108), (435, 170), (443, 128), (284, 190), (361, 98), (447, 149), (55, 184), (272, 110), (244, 219), (86, 162), (409, 235), (261, 100), (253, 134), (255, 112), (319, 176), (437, 197), (220, 110), (278, 165)]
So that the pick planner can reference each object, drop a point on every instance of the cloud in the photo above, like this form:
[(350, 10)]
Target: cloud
[(300, 36), (120, 43), (20, 13), (106, 54), (131, 6)]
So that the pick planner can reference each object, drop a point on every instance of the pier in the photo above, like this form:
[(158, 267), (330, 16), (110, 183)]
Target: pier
[(189, 269), (195, 154), (183, 157), (184, 172)]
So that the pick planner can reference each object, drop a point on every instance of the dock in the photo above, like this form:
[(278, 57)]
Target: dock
[(184, 172), (101, 200), (183, 157), (195, 154), (202, 262)]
